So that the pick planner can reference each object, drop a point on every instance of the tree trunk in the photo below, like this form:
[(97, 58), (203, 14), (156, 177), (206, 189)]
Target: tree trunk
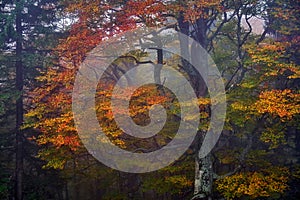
[(203, 166), (203, 178), (19, 105)]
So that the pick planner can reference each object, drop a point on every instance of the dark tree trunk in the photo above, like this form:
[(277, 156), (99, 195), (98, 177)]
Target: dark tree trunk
[(19, 106)]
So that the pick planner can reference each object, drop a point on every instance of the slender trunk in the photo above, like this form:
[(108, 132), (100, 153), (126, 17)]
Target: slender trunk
[(158, 67), (19, 106), (157, 70)]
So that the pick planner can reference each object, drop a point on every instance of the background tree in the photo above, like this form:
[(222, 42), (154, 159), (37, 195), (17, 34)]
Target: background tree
[(28, 29), (265, 102)]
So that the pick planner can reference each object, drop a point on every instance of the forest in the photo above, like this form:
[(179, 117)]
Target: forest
[(194, 99)]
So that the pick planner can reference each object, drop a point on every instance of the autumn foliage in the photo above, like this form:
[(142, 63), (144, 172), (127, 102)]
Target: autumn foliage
[(263, 108)]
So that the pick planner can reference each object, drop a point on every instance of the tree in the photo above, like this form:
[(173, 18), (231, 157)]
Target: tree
[(264, 114), (25, 24), (258, 117)]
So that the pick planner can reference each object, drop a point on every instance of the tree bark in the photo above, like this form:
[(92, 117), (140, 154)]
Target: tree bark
[(19, 105)]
